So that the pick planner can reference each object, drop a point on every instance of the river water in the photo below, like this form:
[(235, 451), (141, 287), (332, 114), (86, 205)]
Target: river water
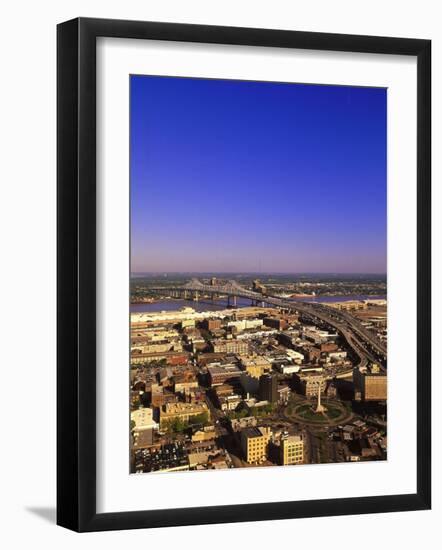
[(208, 305)]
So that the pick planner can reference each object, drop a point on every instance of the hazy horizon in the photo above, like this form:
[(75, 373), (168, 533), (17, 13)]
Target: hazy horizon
[(303, 273)]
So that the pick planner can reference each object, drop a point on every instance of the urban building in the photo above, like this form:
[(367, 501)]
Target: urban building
[(310, 383), (229, 402), (370, 383), (328, 347), (268, 388), (160, 396), (159, 346), (295, 356), (219, 374), (291, 450), (181, 411), (245, 324), (171, 357), (255, 365), (276, 322), (206, 434), (143, 439), (337, 355), (212, 324), (288, 338), (187, 323), (312, 354), (143, 419), (288, 369), (249, 383), (350, 305), (239, 424), (230, 346), (184, 383), (254, 444)]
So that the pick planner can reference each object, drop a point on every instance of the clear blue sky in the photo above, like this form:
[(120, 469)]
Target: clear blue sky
[(243, 176)]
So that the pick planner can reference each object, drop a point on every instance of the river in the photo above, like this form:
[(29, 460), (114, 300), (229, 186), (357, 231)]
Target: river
[(208, 305)]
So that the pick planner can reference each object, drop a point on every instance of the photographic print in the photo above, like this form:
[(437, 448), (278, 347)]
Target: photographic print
[(258, 274)]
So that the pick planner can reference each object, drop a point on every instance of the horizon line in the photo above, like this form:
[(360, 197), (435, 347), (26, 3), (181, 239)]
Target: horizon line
[(258, 272)]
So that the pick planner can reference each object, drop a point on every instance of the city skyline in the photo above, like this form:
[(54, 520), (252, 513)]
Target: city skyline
[(256, 177)]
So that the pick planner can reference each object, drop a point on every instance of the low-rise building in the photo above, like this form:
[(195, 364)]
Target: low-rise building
[(143, 419), (171, 357), (276, 322), (184, 383), (143, 439), (211, 324), (229, 402), (239, 424), (206, 434), (312, 353), (338, 355), (159, 346), (219, 374), (288, 369), (328, 347), (186, 323), (310, 383), (291, 450), (255, 443), (370, 383), (181, 411), (234, 345), (245, 324), (288, 338), (160, 396), (295, 356), (349, 305), (255, 365)]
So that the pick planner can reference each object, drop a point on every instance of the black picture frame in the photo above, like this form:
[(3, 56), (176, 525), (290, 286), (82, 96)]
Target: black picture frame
[(76, 274)]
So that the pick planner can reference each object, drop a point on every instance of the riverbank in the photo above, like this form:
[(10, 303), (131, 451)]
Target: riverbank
[(209, 305)]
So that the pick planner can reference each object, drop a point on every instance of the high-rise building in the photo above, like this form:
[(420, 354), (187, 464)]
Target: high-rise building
[(268, 388)]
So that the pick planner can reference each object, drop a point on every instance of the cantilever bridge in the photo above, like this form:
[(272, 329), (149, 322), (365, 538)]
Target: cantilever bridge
[(364, 344)]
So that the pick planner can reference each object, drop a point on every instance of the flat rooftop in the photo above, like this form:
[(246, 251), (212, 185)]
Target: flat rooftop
[(252, 432)]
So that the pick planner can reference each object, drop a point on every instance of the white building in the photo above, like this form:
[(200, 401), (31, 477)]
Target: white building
[(289, 369), (143, 419), (245, 324), (295, 356)]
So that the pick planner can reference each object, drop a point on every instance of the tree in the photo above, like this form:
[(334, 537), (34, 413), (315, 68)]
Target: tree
[(202, 418)]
